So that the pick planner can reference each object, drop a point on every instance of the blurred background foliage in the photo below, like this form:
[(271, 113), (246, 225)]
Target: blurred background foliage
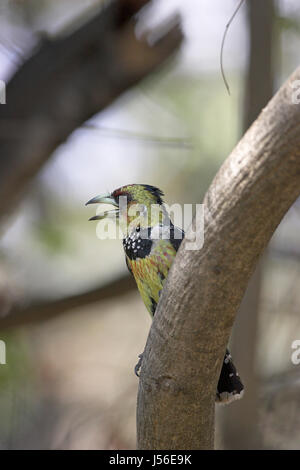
[(69, 382)]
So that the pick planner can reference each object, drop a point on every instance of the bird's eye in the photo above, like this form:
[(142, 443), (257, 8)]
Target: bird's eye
[(138, 228)]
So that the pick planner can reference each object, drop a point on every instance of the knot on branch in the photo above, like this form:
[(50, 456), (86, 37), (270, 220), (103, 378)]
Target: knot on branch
[(164, 383)]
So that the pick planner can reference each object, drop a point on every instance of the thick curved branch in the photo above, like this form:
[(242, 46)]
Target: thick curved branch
[(245, 203)]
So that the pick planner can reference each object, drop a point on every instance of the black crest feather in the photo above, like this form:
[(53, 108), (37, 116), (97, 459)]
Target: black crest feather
[(155, 191)]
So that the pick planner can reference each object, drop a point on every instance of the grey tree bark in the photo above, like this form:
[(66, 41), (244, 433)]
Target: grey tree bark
[(247, 199)]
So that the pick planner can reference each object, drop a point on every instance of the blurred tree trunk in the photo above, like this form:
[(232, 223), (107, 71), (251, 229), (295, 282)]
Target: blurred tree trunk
[(240, 421), (66, 81)]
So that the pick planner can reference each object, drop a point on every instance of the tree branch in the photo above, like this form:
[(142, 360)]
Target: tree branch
[(43, 310), (245, 203), (68, 80)]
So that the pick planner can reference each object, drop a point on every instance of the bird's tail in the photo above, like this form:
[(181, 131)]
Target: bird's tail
[(230, 387)]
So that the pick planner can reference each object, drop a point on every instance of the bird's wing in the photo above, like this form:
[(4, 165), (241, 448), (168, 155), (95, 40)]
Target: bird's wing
[(128, 264), (176, 236)]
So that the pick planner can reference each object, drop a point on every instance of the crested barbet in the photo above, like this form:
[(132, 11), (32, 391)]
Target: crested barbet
[(150, 244)]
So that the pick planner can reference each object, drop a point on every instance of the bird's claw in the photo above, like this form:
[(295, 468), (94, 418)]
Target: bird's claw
[(138, 365)]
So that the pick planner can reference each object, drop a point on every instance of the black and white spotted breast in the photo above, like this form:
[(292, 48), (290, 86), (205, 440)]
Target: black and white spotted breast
[(137, 247)]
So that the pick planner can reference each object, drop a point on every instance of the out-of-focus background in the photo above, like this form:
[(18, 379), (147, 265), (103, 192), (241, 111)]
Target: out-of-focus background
[(87, 111)]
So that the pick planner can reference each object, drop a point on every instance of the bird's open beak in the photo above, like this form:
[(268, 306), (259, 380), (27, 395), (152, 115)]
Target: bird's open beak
[(104, 199)]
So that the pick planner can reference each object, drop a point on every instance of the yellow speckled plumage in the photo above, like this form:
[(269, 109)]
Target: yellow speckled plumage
[(150, 272)]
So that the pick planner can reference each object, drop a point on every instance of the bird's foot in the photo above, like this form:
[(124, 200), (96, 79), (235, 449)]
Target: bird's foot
[(138, 366)]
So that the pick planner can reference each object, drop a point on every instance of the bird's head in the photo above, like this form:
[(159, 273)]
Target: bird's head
[(136, 205)]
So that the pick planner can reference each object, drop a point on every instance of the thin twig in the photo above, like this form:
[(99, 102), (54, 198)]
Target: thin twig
[(124, 134), (223, 42)]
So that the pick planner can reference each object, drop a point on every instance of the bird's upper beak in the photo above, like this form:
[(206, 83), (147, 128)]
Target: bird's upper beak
[(104, 199)]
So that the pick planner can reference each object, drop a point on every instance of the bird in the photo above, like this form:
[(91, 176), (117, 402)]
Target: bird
[(150, 242)]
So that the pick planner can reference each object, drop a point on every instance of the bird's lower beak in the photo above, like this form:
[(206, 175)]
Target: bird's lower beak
[(104, 199)]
